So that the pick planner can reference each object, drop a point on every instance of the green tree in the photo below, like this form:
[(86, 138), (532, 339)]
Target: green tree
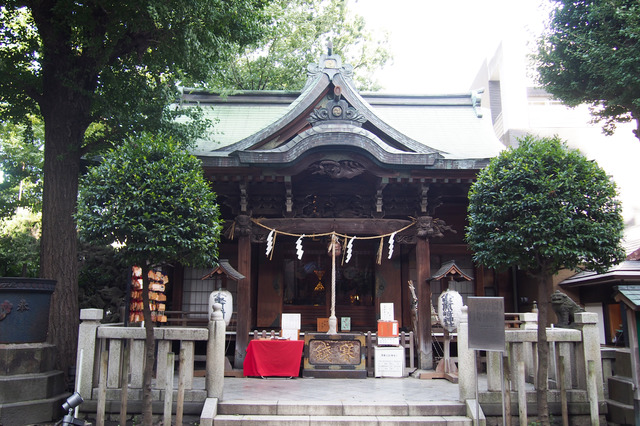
[(102, 280), (151, 197), (543, 207), (590, 54), (19, 244), (95, 71), (21, 159), (296, 37)]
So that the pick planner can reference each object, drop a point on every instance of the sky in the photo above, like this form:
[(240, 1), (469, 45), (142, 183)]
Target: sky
[(438, 46)]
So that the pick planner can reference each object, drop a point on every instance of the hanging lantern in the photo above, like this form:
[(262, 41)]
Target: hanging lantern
[(224, 298), (450, 309)]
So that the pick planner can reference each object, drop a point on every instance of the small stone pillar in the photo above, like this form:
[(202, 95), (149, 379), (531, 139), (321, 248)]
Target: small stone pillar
[(466, 360), (587, 322), (215, 353), (87, 336), (529, 321)]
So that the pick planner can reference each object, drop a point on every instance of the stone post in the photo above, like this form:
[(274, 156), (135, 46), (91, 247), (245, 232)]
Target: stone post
[(587, 322), (215, 352), (87, 336), (529, 321), (466, 360)]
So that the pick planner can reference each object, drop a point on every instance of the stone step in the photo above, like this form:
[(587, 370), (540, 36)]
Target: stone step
[(621, 389), (339, 412), (34, 411), (619, 413), (248, 419), (26, 387), (339, 408)]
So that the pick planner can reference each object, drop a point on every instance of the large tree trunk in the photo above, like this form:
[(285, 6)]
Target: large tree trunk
[(58, 247), (65, 104), (544, 293)]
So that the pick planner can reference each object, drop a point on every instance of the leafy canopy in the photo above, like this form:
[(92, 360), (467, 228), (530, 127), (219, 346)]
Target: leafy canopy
[(544, 207), (21, 159), (297, 35), (150, 196), (116, 62), (590, 54), (20, 244)]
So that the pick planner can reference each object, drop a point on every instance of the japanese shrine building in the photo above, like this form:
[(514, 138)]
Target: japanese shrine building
[(329, 159)]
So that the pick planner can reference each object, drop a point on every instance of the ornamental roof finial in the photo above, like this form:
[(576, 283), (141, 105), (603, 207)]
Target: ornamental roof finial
[(329, 48)]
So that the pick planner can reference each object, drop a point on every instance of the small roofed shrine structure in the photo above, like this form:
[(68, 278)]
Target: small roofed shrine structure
[(291, 170)]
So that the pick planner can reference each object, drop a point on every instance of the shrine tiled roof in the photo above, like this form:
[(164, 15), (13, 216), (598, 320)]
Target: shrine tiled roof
[(438, 131), (627, 271), (629, 295)]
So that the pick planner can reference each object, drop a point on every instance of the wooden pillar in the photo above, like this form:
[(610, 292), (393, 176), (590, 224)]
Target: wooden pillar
[(423, 292), (243, 304)]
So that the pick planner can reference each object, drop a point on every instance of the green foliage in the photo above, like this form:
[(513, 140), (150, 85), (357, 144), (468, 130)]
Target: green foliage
[(543, 207), (21, 159), (119, 62), (150, 196), (102, 280), (296, 37), (590, 54), (19, 244)]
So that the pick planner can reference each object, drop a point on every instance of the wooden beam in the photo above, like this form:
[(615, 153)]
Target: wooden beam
[(356, 227), (423, 291), (244, 300)]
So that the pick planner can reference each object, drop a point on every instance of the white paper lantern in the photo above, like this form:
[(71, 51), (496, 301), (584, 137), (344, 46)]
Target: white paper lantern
[(450, 309), (224, 298)]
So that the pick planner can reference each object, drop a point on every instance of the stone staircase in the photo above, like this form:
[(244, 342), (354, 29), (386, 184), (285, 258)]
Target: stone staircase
[(267, 413), (620, 401)]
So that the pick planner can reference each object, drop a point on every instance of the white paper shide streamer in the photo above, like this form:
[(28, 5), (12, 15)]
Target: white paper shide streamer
[(299, 250), (391, 244), (349, 250), (270, 241)]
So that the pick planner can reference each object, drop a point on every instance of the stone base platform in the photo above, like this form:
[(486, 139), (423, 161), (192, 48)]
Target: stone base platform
[(31, 389)]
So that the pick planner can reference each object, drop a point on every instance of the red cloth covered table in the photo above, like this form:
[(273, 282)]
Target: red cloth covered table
[(273, 358)]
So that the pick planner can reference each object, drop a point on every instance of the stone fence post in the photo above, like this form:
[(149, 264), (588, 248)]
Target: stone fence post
[(529, 320), (466, 360), (587, 323), (215, 353), (87, 336)]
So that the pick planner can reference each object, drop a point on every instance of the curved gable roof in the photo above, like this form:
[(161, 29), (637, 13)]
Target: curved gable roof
[(310, 124)]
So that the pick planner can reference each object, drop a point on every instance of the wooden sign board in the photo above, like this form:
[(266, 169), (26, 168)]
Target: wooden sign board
[(323, 325), (486, 323)]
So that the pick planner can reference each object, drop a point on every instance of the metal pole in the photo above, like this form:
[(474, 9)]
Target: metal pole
[(504, 411), (475, 369)]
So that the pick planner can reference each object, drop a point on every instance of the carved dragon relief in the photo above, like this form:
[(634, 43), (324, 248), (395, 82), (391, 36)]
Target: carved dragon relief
[(428, 227), (343, 169)]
